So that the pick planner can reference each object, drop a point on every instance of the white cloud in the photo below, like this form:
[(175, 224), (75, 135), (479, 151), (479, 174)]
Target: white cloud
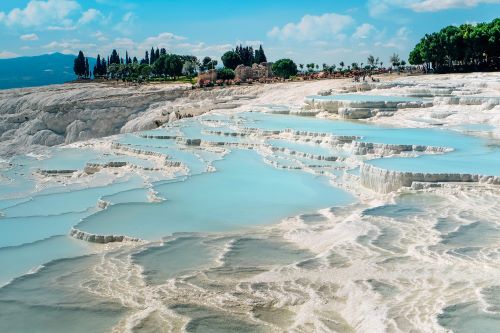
[(100, 36), (437, 5), (399, 41), (39, 13), (90, 15), (126, 25), (8, 54), (70, 46), (61, 28), (363, 31), (403, 33), (164, 39), (29, 37), (380, 7), (171, 42), (313, 27)]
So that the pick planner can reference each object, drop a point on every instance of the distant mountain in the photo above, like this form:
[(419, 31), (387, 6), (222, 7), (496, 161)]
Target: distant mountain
[(38, 70)]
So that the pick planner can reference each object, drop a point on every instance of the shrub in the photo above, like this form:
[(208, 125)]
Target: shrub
[(225, 73)]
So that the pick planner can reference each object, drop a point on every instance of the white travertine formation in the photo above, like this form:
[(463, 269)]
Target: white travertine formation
[(100, 239), (385, 181)]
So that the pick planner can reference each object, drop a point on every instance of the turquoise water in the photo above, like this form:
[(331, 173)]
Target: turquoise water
[(214, 225), (470, 154), (469, 160), (242, 192), (51, 301), (19, 260), (369, 133)]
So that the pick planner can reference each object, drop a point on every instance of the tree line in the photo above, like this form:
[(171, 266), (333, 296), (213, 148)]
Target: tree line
[(159, 64), (243, 55), (156, 64), (460, 49)]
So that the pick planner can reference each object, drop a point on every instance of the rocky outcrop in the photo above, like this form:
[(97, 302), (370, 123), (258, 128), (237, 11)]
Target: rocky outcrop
[(100, 239), (91, 168), (67, 113), (382, 149), (360, 109)]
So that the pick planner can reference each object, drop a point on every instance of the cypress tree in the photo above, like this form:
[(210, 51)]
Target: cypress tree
[(97, 66), (79, 65), (87, 70), (157, 55), (104, 67), (135, 61), (163, 51), (260, 56), (152, 56), (115, 58), (246, 54), (146, 58)]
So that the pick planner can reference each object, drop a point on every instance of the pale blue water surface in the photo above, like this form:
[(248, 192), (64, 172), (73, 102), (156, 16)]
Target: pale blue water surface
[(241, 192)]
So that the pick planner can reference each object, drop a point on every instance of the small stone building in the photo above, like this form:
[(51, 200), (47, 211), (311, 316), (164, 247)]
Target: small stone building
[(210, 75), (256, 72)]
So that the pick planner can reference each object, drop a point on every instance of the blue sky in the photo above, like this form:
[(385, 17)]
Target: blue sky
[(320, 31)]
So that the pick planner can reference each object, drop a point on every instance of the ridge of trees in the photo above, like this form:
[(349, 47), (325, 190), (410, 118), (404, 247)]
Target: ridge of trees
[(243, 55), (156, 65), (460, 49)]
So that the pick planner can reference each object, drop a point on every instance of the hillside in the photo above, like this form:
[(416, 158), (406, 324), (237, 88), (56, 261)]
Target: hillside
[(40, 70)]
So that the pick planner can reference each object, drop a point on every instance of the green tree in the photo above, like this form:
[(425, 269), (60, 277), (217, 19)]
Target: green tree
[(394, 60), (152, 56), (246, 54), (464, 48), (284, 68), (113, 70), (415, 57), (145, 71), (87, 69), (231, 59), (145, 61), (79, 65), (114, 58), (371, 61), (189, 68), (208, 63), (97, 67), (168, 65), (260, 56), (225, 74)]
